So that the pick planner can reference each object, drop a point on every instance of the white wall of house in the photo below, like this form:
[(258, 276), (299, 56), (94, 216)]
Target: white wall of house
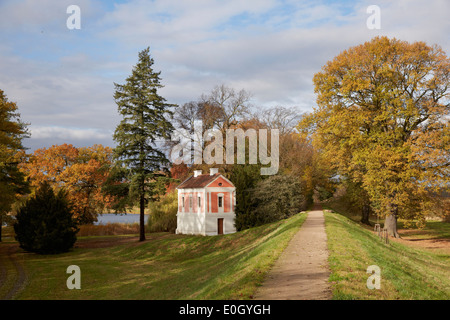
[(203, 221), (211, 223), (191, 220)]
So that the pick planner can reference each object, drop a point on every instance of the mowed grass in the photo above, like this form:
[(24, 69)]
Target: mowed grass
[(406, 272), (433, 229), (165, 266)]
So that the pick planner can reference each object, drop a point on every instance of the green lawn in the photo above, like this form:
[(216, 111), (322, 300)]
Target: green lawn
[(432, 230), (166, 266), (406, 272), (169, 266)]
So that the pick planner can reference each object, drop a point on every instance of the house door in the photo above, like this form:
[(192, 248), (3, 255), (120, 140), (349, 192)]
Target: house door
[(220, 226)]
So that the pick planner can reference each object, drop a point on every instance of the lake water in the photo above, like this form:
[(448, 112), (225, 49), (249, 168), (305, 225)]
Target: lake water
[(118, 218)]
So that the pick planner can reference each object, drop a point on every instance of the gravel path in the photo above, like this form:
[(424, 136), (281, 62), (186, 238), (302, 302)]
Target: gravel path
[(301, 272)]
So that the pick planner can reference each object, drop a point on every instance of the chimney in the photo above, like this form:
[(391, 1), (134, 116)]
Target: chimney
[(213, 171), (197, 173)]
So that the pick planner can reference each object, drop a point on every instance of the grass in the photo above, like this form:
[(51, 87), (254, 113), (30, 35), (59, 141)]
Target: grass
[(7, 234), (406, 272), (169, 266), (109, 229), (166, 266), (433, 230)]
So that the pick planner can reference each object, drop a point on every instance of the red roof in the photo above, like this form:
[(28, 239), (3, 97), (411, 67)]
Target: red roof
[(200, 181)]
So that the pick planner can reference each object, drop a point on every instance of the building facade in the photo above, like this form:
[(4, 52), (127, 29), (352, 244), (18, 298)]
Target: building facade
[(206, 204)]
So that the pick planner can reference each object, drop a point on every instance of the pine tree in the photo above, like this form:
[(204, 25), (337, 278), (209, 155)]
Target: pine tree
[(145, 123), (44, 224)]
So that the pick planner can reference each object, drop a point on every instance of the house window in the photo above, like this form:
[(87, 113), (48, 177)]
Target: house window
[(182, 202), (220, 201), (190, 202), (199, 202)]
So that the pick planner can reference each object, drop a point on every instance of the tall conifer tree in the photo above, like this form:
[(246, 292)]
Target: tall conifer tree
[(146, 121), (12, 132)]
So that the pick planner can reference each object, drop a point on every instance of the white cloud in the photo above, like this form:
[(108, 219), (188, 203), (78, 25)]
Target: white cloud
[(38, 132), (68, 92), (173, 21), (35, 16), (267, 47), (196, 47)]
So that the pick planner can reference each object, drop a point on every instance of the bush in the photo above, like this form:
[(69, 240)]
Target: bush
[(163, 214), (44, 224), (275, 198), (245, 178)]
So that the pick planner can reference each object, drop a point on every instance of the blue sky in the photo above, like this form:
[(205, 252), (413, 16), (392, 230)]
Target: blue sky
[(62, 80)]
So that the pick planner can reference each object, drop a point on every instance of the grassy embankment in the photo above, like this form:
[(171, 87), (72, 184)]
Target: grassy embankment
[(166, 266), (407, 272)]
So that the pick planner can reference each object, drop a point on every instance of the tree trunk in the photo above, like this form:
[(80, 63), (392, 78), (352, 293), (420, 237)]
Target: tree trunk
[(365, 214), (1, 226), (390, 223), (141, 218)]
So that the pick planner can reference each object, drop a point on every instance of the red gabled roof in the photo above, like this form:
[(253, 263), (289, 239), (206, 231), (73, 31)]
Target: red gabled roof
[(200, 181)]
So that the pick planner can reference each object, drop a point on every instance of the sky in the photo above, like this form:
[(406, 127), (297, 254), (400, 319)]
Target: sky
[(63, 79)]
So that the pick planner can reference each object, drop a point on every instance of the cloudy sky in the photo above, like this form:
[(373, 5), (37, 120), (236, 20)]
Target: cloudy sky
[(63, 79)]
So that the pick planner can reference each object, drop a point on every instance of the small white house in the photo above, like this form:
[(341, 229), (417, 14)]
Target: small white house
[(206, 204)]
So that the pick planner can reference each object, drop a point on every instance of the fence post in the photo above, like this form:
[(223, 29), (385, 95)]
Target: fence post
[(377, 229), (385, 236)]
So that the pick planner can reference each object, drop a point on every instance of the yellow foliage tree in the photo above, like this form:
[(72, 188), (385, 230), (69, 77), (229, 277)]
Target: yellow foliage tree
[(382, 120), (12, 132)]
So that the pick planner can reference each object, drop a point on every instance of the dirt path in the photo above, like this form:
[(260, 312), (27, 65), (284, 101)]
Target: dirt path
[(8, 255), (301, 272)]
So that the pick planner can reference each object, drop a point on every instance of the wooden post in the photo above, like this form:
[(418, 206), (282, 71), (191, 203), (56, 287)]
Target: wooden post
[(385, 236), (377, 229)]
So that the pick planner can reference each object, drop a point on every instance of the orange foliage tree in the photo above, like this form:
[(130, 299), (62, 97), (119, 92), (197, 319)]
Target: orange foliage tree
[(81, 171), (179, 172)]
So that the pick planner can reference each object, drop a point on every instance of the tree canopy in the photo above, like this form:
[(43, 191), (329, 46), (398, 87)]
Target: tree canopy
[(12, 132), (45, 224), (382, 120), (81, 171), (139, 135)]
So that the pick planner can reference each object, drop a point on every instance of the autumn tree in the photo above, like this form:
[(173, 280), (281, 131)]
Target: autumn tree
[(354, 197), (47, 164), (285, 119), (12, 132), (146, 122), (382, 120), (222, 108), (81, 171), (84, 180), (253, 204), (178, 172), (297, 155)]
